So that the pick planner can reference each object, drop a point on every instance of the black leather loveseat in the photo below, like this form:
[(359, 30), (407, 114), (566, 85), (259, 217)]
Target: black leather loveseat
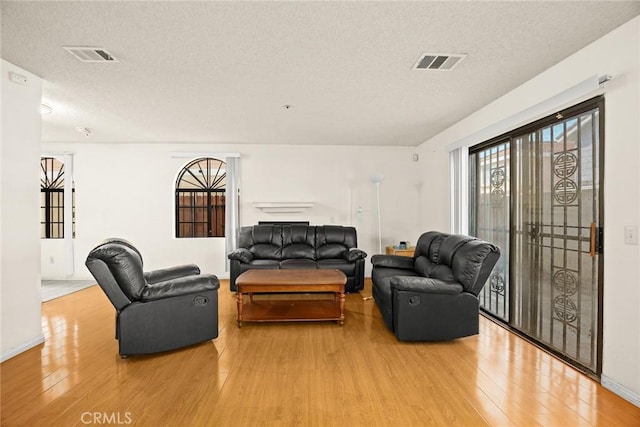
[(299, 246), (434, 295)]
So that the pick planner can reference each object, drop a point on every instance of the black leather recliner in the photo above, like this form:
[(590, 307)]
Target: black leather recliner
[(158, 310), (434, 295)]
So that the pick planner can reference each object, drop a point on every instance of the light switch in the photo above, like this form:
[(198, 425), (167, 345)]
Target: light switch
[(631, 235)]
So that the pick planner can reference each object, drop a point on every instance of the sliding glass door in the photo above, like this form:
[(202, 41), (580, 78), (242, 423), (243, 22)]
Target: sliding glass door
[(489, 218), (548, 286)]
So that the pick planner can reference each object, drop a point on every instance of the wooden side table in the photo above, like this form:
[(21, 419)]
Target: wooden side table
[(390, 250)]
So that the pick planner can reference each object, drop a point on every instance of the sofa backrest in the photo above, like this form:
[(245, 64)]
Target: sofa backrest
[(332, 241), (263, 241), (298, 242), (124, 265), (459, 258), (278, 242), (126, 243), (473, 263), (427, 257)]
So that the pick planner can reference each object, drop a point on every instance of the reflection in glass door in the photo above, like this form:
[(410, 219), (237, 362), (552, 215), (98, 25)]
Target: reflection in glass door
[(552, 291), (489, 219)]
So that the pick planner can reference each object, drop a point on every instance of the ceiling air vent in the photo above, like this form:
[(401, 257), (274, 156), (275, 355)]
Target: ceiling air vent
[(439, 61), (90, 54)]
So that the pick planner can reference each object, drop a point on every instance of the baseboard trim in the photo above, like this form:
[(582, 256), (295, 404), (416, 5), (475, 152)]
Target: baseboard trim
[(14, 351), (620, 390)]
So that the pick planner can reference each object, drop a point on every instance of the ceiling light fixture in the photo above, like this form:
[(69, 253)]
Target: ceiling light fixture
[(85, 131), (45, 110)]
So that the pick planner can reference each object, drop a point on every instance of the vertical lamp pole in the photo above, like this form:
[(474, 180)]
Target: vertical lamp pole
[(377, 179)]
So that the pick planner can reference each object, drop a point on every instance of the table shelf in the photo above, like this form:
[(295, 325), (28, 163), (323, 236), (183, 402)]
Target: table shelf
[(287, 310)]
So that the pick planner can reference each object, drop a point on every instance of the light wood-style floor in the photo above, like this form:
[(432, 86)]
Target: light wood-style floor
[(294, 374)]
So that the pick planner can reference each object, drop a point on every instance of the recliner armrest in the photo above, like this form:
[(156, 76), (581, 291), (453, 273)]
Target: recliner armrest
[(181, 286), (163, 274), (241, 254), (392, 261), (354, 254), (425, 285)]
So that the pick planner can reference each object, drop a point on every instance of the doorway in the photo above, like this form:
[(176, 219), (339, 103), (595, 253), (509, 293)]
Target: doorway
[(537, 193)]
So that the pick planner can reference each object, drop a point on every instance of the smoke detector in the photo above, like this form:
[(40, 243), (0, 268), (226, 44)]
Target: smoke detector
[(439, 61), (90, 54)]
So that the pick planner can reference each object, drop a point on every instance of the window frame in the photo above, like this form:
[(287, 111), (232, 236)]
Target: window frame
[(52, 183), (206, 192)]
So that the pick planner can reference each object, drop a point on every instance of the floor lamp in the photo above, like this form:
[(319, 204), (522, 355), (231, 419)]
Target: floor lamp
[(377, 179)]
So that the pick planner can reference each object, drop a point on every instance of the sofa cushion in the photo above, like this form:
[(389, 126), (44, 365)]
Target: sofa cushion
[(266, 251), (264, 263), (298, 242), (259, 264), (424, 267), (332, 241), (380, 273), (298, 251), (434, 249), (264, 241), (348, 268), (423, 247), (436, 255), (297, 264), (425, 285), (450, 245)]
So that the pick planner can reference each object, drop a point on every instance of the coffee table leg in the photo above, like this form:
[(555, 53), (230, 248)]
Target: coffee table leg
[(239, 302), (341, 302)]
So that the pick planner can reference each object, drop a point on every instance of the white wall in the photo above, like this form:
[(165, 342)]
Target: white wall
[(617, 54), (52, 261), (127, 190), (19, 213)]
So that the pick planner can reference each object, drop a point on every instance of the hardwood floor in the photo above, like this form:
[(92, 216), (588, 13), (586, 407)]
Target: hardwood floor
[(294, 374)]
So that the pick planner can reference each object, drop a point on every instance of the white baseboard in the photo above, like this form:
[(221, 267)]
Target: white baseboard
[(14, 351), (620, 390)]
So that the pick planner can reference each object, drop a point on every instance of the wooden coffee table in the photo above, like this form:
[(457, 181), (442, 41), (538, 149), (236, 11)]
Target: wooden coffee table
[(290, 281)]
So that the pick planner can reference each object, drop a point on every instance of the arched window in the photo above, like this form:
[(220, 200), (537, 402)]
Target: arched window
[(52, 199), (200, 199)]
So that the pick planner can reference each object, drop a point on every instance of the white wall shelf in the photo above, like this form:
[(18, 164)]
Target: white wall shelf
[(283, 207)]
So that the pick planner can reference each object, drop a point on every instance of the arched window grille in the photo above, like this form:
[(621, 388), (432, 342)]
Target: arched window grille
[(200, 199), (52, 199)]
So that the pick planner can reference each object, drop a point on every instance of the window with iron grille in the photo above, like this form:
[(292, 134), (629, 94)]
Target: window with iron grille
[(200, 199), (52, 199)]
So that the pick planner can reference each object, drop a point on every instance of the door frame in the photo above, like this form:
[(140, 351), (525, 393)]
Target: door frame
[(596, 102)]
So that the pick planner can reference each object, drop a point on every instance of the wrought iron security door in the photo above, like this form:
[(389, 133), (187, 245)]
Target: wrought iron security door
[(552, 291), (489, 219)]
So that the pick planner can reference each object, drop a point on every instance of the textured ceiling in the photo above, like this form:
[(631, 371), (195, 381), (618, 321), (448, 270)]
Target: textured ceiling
[(222, 71)]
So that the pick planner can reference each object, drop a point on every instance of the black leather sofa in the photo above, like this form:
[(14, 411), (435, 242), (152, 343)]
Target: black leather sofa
[(434, 295), (299, 246), (157, 310)]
